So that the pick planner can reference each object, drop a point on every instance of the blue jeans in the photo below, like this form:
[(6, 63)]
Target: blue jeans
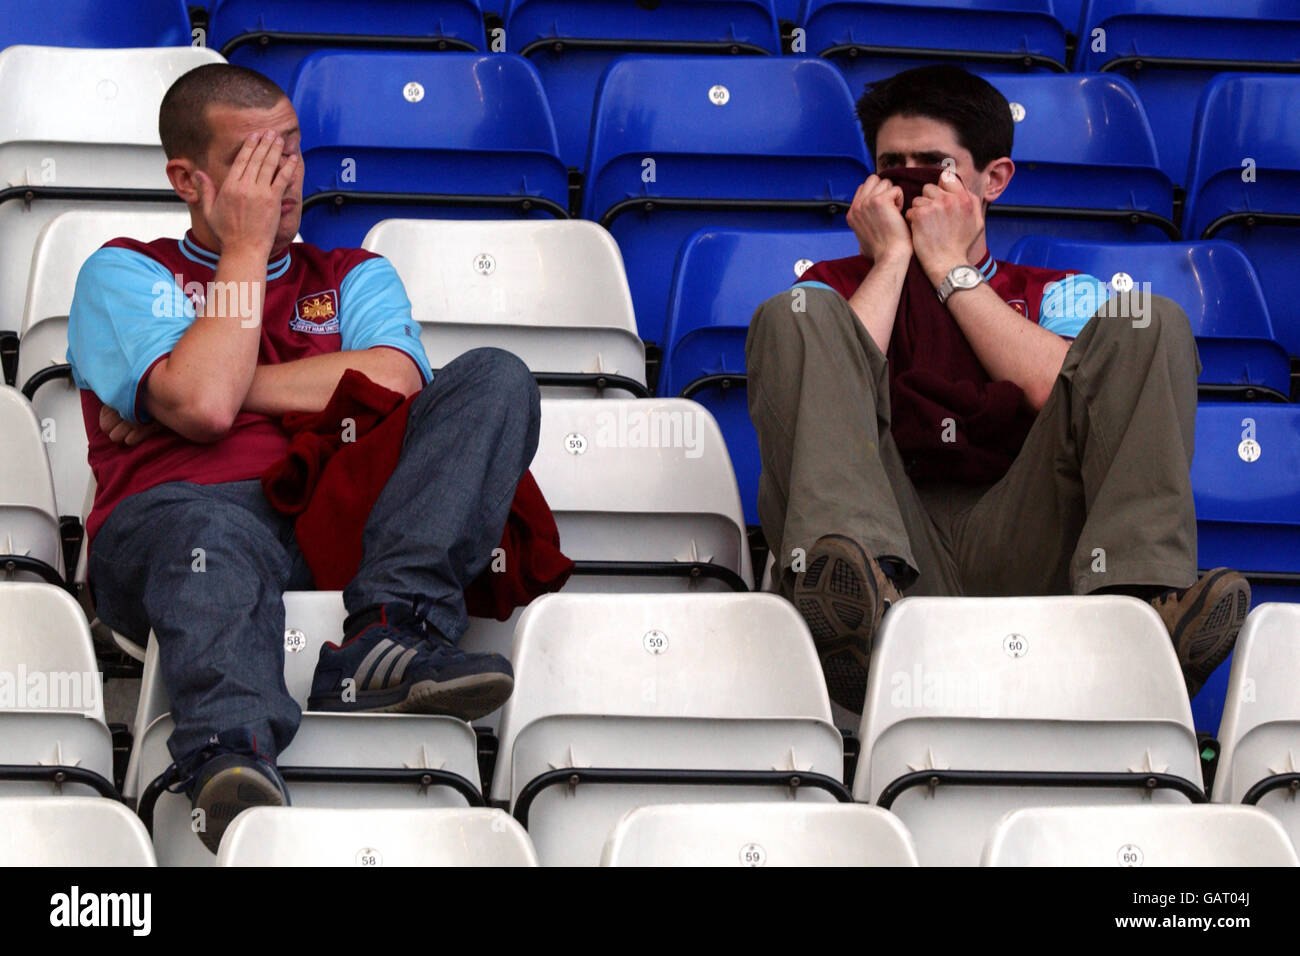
[(471, 435)]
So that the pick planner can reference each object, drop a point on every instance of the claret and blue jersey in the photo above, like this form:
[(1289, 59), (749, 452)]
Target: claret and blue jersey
[(134, 300)]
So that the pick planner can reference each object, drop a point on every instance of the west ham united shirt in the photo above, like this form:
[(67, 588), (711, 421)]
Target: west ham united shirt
[(133, 302)]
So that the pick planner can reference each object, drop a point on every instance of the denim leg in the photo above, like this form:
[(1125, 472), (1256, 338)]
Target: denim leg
[(471, 435), (206, 567)]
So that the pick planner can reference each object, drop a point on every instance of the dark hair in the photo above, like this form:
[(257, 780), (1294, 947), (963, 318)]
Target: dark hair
[(182, 118), (977, 112)]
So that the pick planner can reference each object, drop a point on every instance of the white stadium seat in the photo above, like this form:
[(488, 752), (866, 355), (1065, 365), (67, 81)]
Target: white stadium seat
[(645, 483), (51, 696), (663, 685), (552, 292), (75, 118), (1139, 836), (64, 244), (71, 831), (1073, 686), (759, 834), (1260, 733), (296, 836), (29, 521), (425, 751)]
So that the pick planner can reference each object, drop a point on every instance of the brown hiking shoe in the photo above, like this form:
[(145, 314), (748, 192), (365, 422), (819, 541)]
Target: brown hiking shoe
[(842, 595), (1203, 621)]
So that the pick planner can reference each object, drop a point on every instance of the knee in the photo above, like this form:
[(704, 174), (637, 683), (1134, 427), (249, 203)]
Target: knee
[(490, 372), (1145, 323), (495, 382), (510, 378), (786, 319)]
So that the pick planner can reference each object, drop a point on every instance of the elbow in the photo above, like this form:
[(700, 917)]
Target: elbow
[(404, 379), (205, 423), (1036, 395)]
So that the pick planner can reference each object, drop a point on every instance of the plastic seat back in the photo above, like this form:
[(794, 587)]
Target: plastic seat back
[(432, 135), (1213, 281), (683, 143), (274, 38), (1156, 43), (1260, 733), (1244, 182), (571, 42), (722, 276), (1102, 182), (1004, 687)]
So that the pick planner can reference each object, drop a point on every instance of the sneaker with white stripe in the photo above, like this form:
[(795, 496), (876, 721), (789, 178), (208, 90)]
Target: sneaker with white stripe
[(400, 664)]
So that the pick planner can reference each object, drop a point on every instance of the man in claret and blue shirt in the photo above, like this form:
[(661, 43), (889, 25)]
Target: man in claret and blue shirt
[(188, 351), (861, 504)]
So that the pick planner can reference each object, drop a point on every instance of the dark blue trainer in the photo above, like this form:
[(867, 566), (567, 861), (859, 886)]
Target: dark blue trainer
[(225, 778), (394, 660)]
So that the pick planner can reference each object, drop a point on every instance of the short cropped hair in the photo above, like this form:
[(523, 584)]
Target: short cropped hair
[(183, 116), (977, 112)]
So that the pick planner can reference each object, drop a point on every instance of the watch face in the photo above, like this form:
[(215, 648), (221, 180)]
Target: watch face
[(965, 277)]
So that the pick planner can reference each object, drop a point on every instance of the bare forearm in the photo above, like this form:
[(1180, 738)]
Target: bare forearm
[(305, 385), (1009, 347), (876, 300), (199, 387)]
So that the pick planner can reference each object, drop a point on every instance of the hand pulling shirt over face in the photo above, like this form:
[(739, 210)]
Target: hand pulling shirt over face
[(948, 418)]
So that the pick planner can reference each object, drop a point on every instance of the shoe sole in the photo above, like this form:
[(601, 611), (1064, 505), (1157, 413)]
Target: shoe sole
[(1206, 634), (837, 597), (468, 698), (228, 794)]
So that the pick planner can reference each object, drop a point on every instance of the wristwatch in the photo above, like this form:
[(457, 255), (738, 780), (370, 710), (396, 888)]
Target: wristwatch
[(958, 278)]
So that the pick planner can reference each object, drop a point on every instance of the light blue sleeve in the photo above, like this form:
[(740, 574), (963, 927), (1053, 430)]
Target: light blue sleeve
[(127, 312), (374, 310), (813, 284), (1069, 303)]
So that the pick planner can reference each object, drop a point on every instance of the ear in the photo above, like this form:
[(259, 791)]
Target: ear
[(180, 173), (997, 176)]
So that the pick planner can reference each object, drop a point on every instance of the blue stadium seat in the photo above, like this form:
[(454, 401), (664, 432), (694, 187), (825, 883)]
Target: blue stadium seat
[(1215, 284), (1247, 511), (1244, 183), (681, 143), (93, 23), (1171, 48), (1069, 13), (274, 37), (1085, 164), (787, 9), (423, 135), (873, 39), (572, 41), (722, 276)]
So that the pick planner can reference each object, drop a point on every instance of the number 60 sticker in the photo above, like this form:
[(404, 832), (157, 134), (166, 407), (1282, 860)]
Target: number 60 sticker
[(1015, 645)]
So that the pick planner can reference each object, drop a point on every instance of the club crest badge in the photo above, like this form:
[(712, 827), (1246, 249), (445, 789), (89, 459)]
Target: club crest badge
[(317, 314)]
